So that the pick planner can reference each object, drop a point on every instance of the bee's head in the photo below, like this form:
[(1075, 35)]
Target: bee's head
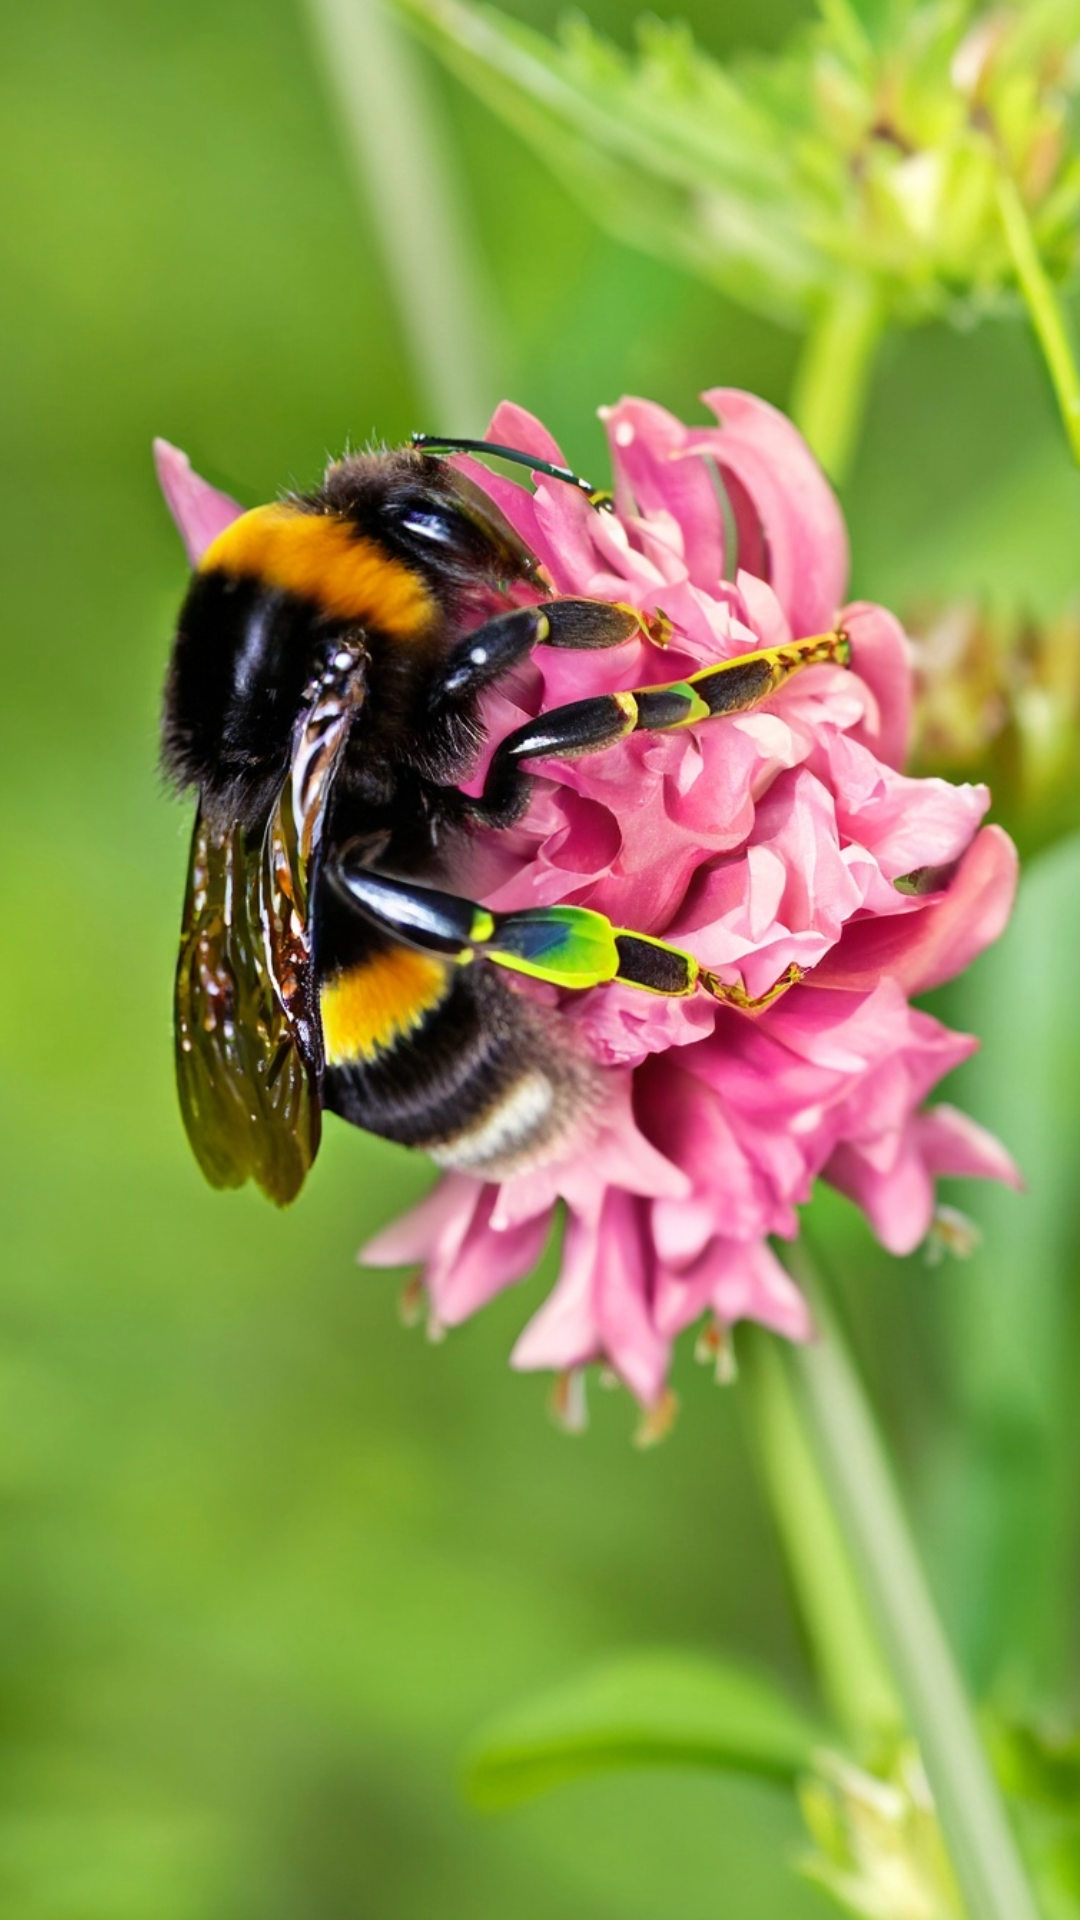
[(394, 545), (430, 516)]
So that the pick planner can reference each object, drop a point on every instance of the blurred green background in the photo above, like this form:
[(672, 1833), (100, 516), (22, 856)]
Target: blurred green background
[(268, 1560)]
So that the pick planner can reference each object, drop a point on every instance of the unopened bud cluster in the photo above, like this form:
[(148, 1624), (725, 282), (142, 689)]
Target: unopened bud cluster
[(998, 699), (878, 1845), (866, 150)]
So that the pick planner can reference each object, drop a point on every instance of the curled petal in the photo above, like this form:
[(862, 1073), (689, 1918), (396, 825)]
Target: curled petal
[(951, 1143), (800, 522), (488, 1259), (601, 1304), (467, 1256), (648, 446), (892, 1179), (881, 656), (924, 949), (898, 1200), (437, 1225), (737, 1280), (514, 426), (200, 511)]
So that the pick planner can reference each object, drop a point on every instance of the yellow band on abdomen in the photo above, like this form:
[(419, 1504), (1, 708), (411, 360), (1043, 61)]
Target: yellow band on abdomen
[(366, 1009)]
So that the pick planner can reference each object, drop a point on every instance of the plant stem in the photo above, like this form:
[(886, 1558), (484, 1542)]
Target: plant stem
[(1043, 307), (406, 169), (833, 375), (847, 1657), (840, 1429)]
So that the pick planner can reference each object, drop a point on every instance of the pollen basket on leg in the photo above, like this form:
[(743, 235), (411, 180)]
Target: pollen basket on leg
[(370, 1006), (324, 559)]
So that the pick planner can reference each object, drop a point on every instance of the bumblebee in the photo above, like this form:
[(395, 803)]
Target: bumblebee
[(322, 700)]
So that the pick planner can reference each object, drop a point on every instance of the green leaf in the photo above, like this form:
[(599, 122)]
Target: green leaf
[(852, 154), (1038, 1764), (666, 147), (647, 1709)]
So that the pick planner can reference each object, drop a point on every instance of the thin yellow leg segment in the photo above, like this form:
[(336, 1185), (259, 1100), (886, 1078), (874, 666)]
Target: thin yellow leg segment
[(737, 996), (734, 686)]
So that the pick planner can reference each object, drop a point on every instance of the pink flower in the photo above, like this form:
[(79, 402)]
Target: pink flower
[(757, 842), (199, 510), (754, 843)]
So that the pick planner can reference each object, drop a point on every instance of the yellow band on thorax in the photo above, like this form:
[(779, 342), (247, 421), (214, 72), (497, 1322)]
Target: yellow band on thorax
[(322, 558)]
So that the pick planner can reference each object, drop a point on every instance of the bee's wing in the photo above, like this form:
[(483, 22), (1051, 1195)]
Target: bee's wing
[(249, 1056), (249, 1100)]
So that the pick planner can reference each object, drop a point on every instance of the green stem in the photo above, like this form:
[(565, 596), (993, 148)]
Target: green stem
[(847, 1657), (406, 170), (1043, 307), (833, 375), (840, 1430)]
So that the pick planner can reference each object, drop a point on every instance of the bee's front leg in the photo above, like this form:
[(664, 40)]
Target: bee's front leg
[(483, 656), (589, 726)]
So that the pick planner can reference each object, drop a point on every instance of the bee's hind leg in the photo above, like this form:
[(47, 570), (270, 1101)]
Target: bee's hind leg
[(569, 947)]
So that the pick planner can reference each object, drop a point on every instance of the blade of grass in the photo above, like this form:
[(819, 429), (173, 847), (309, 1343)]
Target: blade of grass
[(405, 168), (1043, 307), (832, 379), (841, 1429), (847, 1657), (1006, 1497)]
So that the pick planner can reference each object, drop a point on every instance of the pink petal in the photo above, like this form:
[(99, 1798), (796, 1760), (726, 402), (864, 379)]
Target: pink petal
[(881, 656), (439, 1221), (486, 1261), (924, 949), (953, 1144), (739, 1281), (799, 515), (647, 448), (600, 1306), (897, 1201), (564, 1333), (895, 1188), (513, 426), (904, 823), (199, 510)]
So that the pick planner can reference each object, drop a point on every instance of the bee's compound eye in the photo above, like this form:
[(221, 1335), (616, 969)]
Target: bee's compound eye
[(426, 525)]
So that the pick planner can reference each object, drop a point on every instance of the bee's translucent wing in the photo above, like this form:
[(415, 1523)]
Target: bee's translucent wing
[(249, 1099), (249, 1056)]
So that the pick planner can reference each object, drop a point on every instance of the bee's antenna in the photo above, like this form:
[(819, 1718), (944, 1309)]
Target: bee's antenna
[(430, 443)]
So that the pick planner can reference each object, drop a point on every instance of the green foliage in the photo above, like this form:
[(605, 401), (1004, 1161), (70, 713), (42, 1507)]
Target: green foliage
[(878, 1845), (650, 1709), (266, 1560), (867, 150), (1038, 1763)]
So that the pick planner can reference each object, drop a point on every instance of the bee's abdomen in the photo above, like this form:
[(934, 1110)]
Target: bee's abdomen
[(466, 1069)]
